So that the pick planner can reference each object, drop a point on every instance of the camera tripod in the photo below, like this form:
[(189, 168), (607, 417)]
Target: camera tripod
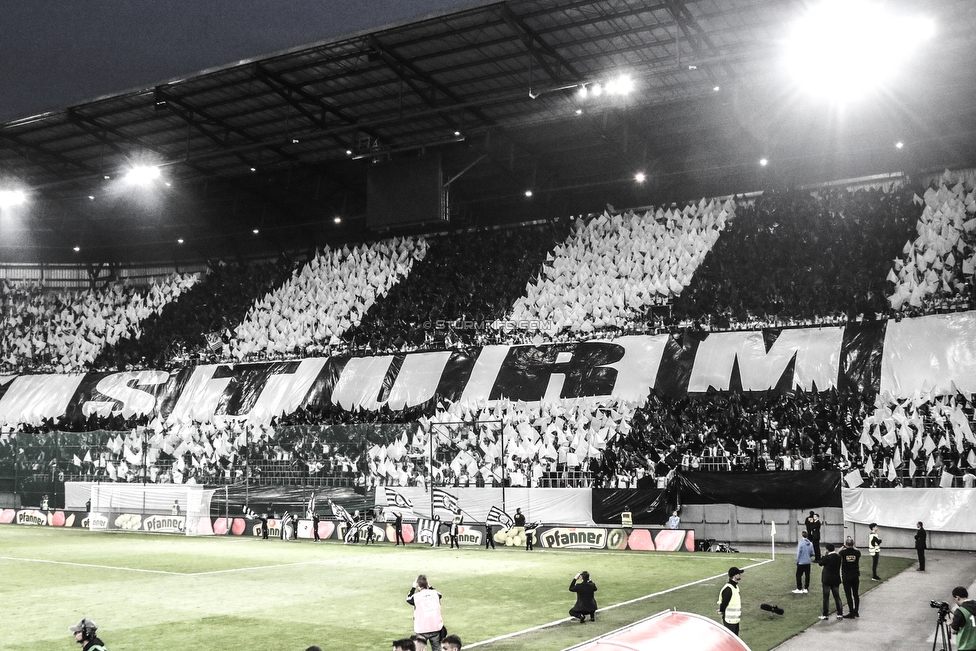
[(942, 632)]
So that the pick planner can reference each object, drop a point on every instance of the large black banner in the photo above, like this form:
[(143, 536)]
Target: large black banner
[(934, 354), (769, 490), (647, 506)]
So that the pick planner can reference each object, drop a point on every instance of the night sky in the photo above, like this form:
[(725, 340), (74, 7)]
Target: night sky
[(54, 54)]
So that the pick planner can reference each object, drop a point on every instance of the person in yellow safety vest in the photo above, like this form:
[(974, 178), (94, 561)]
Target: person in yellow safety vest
[(729, 603), (874, 550)]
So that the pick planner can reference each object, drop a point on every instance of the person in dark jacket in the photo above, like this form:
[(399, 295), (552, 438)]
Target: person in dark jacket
[(830, 580), (585, 601), (398, 529), (489, 535), (850, 574), (920, 546), (84, 632), (812, 525)]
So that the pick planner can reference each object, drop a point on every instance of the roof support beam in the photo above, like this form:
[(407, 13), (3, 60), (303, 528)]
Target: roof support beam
[(540, 50), (687, 24), (301, 100)]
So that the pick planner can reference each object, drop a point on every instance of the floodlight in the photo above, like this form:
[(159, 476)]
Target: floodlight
[(11, 198), (528, 193), (621, 85), (142, 175), (640, 177), (764, 162), (597, 90), (579, 111), (255, 231), (583, 92), (843, 48), (76, 249), (899, 144), (179, 241), (337, 219)]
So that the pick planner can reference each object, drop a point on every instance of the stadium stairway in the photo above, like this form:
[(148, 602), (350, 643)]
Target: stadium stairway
[(896, 615)]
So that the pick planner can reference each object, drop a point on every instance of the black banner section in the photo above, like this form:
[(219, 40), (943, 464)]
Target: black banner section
[(769, 490), (861, 354), (295, 499), (677, 362), (647, 506)]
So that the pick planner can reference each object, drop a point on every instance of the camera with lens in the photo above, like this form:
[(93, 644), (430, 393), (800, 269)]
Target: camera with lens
[(941, 605)]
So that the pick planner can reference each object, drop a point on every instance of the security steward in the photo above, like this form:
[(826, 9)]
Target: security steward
[(729, 602), (84, 632), (964, 620)]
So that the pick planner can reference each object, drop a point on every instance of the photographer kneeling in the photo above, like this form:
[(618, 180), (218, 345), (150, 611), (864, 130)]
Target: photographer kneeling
[(964, 620)]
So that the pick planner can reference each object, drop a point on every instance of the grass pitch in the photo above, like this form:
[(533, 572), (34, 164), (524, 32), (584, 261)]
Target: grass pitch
[(155, 592)]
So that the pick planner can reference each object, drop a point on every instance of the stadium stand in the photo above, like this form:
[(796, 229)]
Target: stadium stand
[(198, 325), (615, 266), (324, 299), (66, 332), (782, 259)]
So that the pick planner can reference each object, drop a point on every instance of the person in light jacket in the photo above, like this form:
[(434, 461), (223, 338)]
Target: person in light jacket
[(427, 620)]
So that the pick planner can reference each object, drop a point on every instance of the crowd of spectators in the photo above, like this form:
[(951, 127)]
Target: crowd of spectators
[(937, 268), (614, 267), (796, 257), (457, 294), (198, 326), (64, 332), (786, 258), (916, 441), (330, 294)]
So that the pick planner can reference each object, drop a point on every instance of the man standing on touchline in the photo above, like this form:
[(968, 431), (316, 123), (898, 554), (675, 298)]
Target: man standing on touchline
[(729, 601), (920, 546), (850, 574), (830, 581), (874, 550), (804, 559)]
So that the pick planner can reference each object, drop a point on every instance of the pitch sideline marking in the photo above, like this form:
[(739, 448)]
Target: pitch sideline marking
[(622, 603), (101, 567), (274, 567), (169, 573)]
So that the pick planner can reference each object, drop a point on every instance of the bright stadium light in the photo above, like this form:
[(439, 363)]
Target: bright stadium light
[(843, 48), (142, 175), (640, 177), (11, 198), (621, 85)]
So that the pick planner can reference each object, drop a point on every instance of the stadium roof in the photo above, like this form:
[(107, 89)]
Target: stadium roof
[(281, 145)]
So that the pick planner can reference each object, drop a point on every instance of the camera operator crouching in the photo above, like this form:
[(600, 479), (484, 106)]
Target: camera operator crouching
[(964, 620)]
